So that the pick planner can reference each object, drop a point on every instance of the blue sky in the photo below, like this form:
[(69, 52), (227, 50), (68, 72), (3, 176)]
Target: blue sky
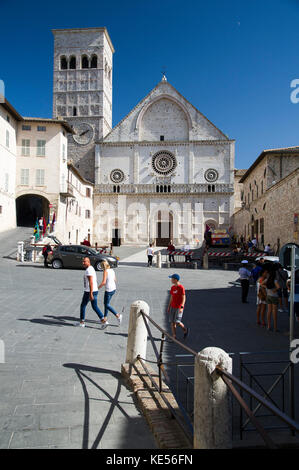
[(233, 60)]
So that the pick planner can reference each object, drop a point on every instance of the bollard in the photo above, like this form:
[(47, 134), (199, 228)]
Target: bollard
[(212, 403), (137, 332), (194, 264), (205, 261), (159, 260), (20, 252)]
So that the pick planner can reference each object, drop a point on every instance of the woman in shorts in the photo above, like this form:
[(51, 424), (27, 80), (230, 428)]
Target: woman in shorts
[(272, 287)]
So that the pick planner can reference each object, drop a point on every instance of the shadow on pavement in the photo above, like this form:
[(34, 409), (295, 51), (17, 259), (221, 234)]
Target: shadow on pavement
[(132, 432)]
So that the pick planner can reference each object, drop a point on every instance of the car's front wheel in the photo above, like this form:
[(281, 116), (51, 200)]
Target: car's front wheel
[(56, 264)]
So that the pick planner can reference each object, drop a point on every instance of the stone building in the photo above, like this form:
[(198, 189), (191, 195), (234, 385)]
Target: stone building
[(270, 198), (162, 173), (36, 179), (9, 119), (82, 90)]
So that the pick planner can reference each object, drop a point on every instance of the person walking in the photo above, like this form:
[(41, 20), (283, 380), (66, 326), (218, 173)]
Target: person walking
[(150, 254), (244, 277), (109, 281), (176, 305), (90, 294)]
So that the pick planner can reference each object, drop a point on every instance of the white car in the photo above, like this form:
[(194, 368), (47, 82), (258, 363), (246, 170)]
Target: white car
[(272, 259)]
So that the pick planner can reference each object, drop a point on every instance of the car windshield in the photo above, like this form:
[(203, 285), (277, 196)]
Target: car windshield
[(91, 250)]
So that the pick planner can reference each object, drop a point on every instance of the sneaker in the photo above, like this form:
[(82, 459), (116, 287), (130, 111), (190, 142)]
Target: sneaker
[(104, 325), (186, 333), (280, 310), (82, 324), (119, 319)]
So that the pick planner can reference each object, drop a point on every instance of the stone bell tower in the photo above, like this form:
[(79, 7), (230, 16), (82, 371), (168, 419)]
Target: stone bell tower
[(82, 90)]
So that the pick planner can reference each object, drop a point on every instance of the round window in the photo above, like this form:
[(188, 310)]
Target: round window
[(211, 175), (117, 176), (164, 162)]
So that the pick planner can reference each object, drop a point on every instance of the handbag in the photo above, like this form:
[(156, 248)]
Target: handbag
[(262, 294)]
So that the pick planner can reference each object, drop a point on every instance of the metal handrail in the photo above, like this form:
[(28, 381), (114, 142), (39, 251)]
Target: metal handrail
[(228, 378)]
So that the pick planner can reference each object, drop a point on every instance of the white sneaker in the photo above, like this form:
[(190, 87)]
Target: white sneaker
[(280, 310), (82, 324), (119, 319), (104, 325)]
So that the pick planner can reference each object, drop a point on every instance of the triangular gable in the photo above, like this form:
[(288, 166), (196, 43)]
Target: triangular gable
[(200, 128)]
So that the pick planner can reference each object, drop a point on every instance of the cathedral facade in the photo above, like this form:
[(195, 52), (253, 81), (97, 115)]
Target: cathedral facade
[(163, 172)]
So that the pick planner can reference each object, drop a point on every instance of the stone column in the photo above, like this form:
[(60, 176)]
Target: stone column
[(136, 166), (212, 403), (191, 165), (97, 164), (137, 332)]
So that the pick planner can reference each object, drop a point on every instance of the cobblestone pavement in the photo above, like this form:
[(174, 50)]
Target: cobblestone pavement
[(60, 385)]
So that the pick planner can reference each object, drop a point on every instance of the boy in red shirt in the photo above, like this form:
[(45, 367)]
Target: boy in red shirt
[(176, 305)]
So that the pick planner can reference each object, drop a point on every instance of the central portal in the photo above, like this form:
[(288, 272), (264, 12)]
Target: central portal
[(164, 228)]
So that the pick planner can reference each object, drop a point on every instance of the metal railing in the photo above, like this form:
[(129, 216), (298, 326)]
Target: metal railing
[(227, 378), (186, 425)]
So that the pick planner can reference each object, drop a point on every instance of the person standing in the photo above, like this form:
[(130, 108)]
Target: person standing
[(171, 248), (244, 277), (150, 254), (47, 250), (261, 298), (272, 287), (109, 281), (282, 277), (90, 294), (176, 305)]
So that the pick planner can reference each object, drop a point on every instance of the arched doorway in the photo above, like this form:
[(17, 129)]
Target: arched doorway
[(30, 207), (164, 228), (116, 233)]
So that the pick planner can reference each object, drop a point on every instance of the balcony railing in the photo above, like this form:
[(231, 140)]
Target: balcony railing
[(157, 188)]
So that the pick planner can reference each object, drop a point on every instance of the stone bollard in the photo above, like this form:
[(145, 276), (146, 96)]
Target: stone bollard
[(20, 252), (194, 263), (137, 332), (159, 260), (205, 261), (212, 401)]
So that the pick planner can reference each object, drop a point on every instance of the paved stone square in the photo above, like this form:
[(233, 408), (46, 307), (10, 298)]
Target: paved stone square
[(61, 386)]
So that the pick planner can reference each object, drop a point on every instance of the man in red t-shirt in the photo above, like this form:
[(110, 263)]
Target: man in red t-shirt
[(176, 305)]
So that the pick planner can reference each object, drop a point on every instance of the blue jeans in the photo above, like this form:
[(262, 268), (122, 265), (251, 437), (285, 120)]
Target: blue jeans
[(94, 304), (107, 298)]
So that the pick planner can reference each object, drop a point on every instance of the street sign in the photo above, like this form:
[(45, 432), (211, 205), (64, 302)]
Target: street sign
[(285, 255)]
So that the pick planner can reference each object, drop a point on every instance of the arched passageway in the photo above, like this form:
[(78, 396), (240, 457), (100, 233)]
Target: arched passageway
[(30, 207)]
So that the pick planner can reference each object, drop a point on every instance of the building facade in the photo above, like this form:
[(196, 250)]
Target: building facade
[(270, 198), (162, 173)]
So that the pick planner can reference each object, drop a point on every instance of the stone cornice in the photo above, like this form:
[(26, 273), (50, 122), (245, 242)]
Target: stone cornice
[(82, 30), (163, 143)]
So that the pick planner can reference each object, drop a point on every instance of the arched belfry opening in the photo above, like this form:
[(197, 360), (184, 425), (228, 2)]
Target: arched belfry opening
[(29, 207), (94, 62)]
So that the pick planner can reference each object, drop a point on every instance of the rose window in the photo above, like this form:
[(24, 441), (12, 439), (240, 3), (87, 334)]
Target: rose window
[(117, 176), (164, 163), (211, 175)]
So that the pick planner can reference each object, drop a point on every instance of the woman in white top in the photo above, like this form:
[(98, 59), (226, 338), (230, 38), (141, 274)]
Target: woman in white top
[(109, 281), (150, 254)]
